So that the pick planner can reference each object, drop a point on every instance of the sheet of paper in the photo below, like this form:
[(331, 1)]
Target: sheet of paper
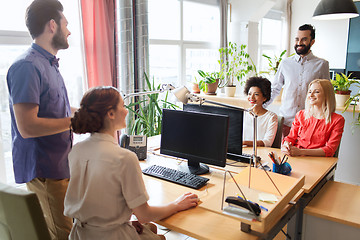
[(269, 198)]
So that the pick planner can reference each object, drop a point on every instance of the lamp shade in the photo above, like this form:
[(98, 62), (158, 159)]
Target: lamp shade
[(182, 94), (335, 9)]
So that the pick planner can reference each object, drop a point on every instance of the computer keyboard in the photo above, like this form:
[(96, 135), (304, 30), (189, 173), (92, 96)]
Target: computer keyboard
[(176, 176), (244, 157)]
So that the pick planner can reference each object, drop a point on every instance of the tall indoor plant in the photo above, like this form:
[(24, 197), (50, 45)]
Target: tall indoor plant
[(234, 65), (273, 63), (147, 112)]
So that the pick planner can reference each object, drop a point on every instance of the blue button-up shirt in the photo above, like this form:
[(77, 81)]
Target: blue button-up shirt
[(34, 78)]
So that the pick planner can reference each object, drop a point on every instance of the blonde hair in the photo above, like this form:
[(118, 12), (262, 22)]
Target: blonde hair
[(329, 103)]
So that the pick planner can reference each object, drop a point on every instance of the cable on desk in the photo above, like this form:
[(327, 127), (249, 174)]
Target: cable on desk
[(234, 164)]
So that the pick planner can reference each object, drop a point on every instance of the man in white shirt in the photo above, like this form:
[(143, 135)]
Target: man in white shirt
[(295, 73)]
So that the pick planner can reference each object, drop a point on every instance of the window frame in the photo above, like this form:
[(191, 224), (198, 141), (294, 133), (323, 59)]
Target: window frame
[(186, 44)]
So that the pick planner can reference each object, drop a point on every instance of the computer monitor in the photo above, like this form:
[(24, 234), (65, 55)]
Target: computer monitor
[(198, 137), (236, 118)]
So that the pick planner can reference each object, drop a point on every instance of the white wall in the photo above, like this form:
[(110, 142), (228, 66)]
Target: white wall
[(331, 36)]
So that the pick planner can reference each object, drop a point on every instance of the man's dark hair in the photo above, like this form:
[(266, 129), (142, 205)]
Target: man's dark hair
[(41, 12), (310, 28), (263, 83)]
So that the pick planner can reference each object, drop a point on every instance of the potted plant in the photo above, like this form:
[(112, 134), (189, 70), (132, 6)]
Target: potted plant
[(355, 101), (341, 85), (209, 82), (146, 113), (234, 65), (195, 86), (273, 63)]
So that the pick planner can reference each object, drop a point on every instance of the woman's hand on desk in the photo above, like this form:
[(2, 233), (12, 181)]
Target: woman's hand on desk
[(293, 151), (186, 201), (288, 149), (146, 213)]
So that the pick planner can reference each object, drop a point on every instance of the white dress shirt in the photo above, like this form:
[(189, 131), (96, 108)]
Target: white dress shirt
[(295, 74), (266, 127)]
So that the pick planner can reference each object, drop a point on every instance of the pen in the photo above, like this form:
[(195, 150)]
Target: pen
[(282, 160), (272, 159)]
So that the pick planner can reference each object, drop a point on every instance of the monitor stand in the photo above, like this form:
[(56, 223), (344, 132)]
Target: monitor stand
[(194, 167)]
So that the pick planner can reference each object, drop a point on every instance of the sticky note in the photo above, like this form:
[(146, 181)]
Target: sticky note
[(266, 197)]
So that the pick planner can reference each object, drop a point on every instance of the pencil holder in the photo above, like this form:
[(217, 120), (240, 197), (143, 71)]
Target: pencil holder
[(284, 168)]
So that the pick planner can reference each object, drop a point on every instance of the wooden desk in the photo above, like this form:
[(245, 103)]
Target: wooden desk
[(334, 213), (313, 168), (198, 222), (338, 202), (202, 224)]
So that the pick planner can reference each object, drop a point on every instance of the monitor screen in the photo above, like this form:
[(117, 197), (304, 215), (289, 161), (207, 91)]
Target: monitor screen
[(197, 137), (236, 118)]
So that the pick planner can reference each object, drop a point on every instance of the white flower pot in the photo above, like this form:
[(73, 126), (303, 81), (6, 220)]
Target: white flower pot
[(230, 91), (341, 99)]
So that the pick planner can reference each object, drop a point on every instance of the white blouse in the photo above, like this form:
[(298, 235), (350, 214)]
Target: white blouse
[(266, 127), (105, 184)]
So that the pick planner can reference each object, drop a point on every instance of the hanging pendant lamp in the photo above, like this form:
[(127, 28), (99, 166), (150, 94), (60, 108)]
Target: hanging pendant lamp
[(335, 9)]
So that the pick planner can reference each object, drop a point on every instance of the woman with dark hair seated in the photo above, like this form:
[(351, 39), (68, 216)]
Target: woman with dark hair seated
[(258, 91), (106, 185), (317, 130)]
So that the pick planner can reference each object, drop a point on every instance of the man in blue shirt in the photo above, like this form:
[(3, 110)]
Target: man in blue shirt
[(40, 114)]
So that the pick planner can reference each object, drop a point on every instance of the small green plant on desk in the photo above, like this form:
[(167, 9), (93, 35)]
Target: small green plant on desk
[(209, 78), (342, 83), (148, 112)]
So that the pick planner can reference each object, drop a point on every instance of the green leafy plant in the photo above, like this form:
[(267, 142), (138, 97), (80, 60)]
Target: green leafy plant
[(147, 112), (208, 78), (342, 83), (274, 62), (234, 63), (354, 101)]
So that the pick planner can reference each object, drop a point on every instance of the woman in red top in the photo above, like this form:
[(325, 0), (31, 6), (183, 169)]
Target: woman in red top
[(317, 130)]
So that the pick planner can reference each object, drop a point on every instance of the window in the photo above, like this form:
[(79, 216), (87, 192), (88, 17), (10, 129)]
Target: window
[(188, 40), (272, 35), (14, 40)]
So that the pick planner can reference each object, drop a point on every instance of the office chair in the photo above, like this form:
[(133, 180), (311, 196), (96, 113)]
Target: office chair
[(336, 154), (277, 140), (21, 216)]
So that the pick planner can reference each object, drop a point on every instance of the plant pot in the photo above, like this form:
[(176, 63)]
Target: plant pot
[(341, 97), (230, 91), (212, 87), (195, 88)]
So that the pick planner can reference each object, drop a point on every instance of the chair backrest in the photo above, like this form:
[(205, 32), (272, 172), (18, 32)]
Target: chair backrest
[(277, 140), (21, 216), (336, 154)]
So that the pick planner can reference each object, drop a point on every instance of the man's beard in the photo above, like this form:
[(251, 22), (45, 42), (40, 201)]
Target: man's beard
[(59, 40), (303, 51)]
